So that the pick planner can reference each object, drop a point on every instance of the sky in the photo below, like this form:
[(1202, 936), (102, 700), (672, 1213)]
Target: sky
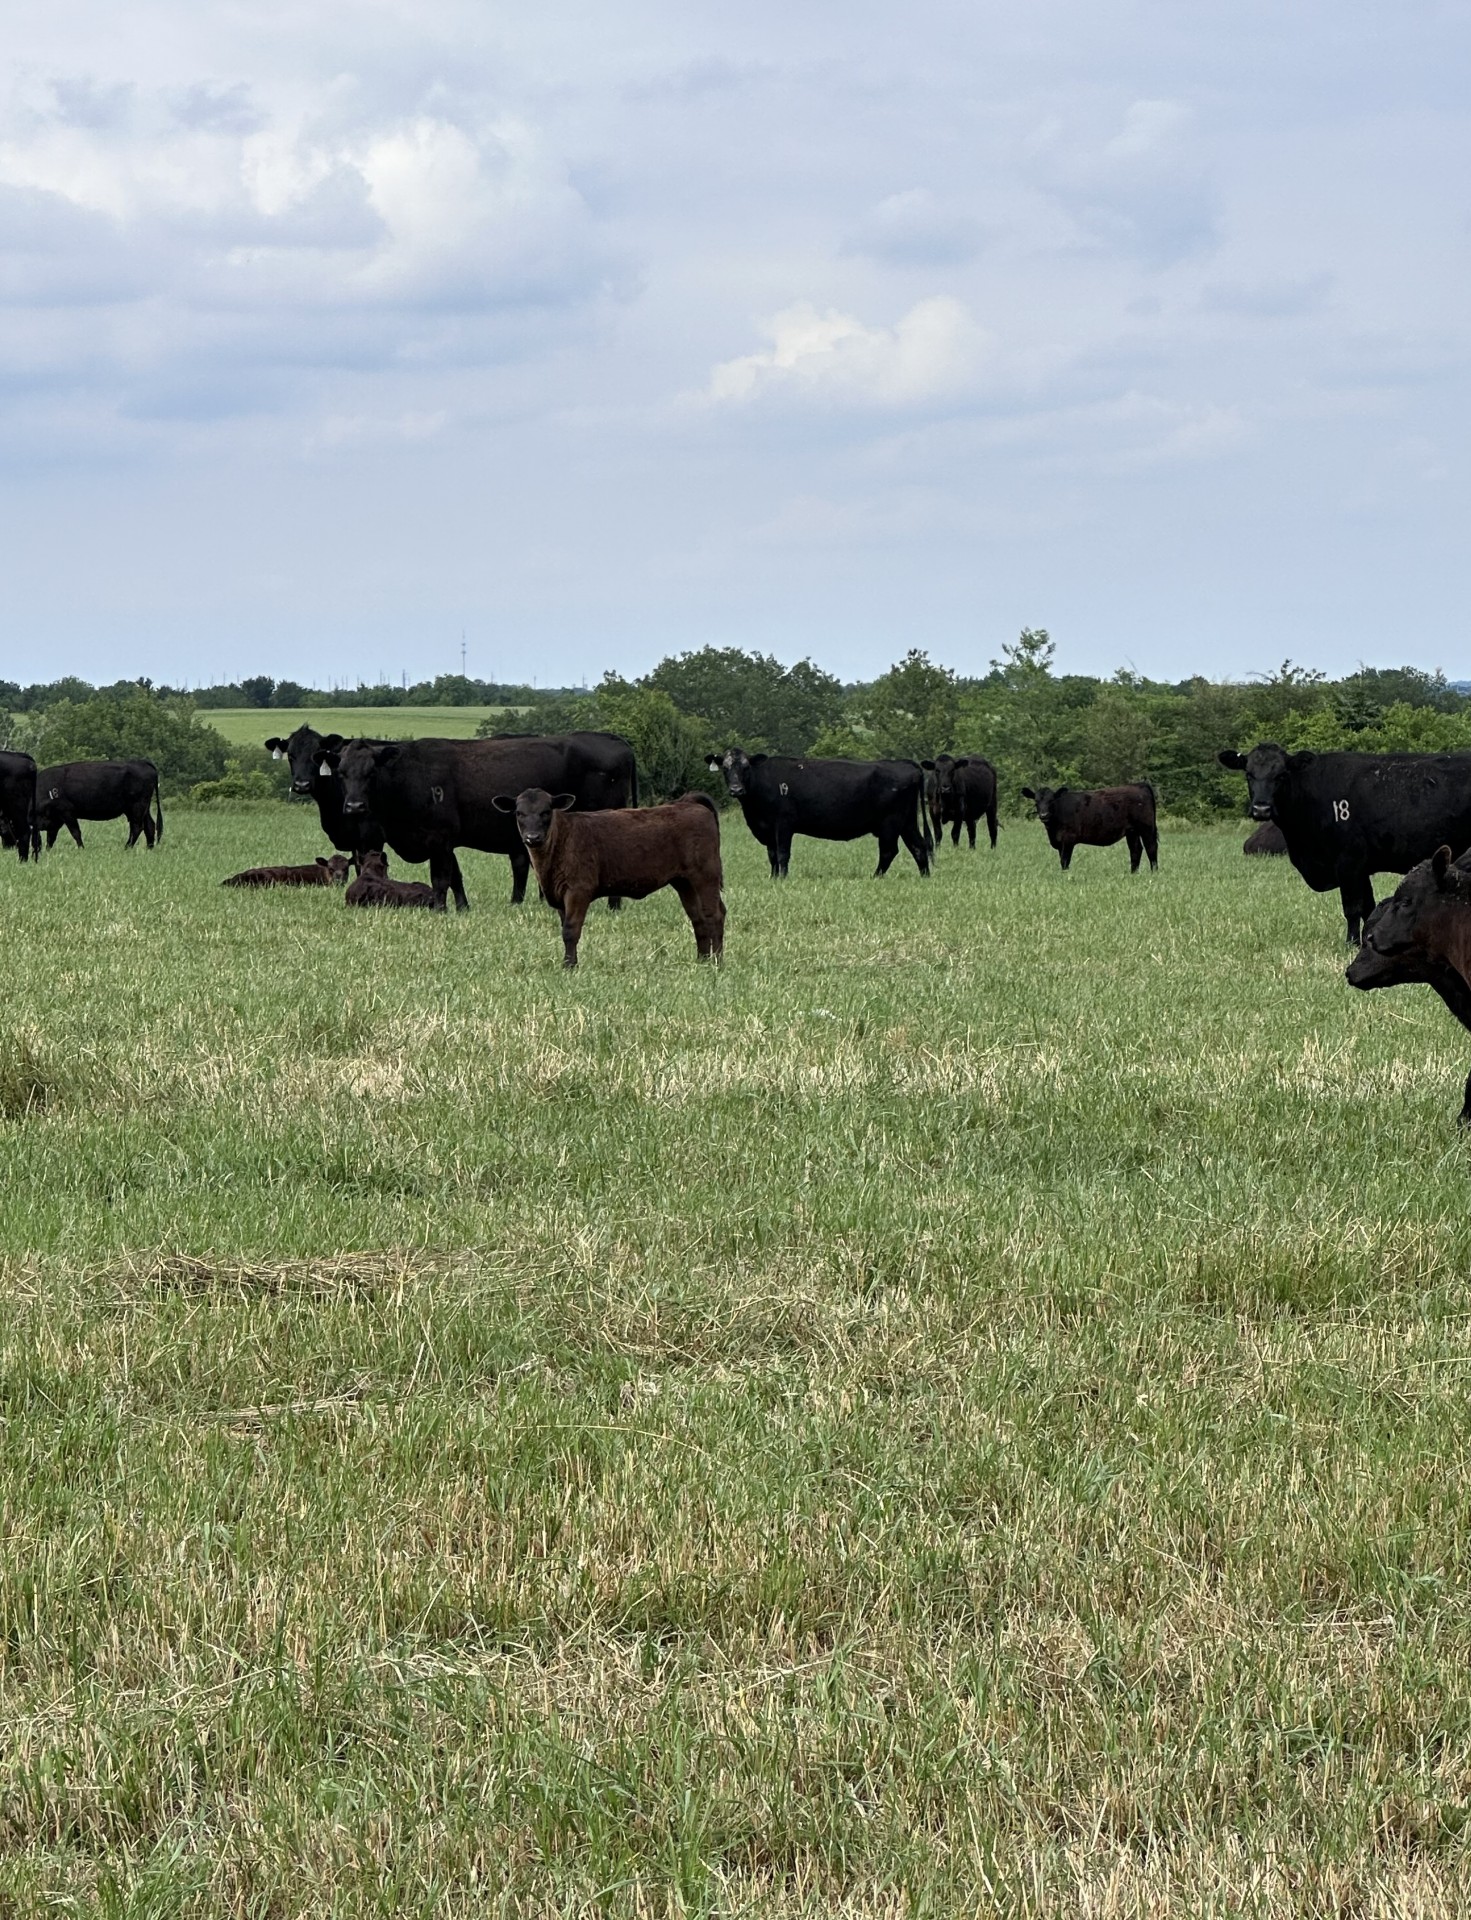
[(333, 334)]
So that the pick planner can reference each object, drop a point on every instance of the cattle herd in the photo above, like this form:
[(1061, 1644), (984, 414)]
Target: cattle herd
[(567, 805)]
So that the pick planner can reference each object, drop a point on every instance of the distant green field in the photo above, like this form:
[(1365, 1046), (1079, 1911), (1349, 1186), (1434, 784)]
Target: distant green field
[(965, 1410), (251, 726)]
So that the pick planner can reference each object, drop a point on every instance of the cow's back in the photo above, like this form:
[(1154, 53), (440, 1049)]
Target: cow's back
[(1374, 813)]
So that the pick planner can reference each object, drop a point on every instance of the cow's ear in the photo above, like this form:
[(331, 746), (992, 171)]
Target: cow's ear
[(757, 758), (961, 763), (1028, 794), (382, 755), (323, 861), (563, 802), (503, 803), (1232, 759), (928, 765), (712, 761), (1297, 761), (1439, 861), (276, 745), (332, 743)]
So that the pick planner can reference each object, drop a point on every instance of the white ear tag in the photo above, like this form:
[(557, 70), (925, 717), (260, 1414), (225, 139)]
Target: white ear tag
[(324, 770), (275, 753)]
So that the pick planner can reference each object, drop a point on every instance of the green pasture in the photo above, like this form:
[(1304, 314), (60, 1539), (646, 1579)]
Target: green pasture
[(253, 726), (962, 1410)]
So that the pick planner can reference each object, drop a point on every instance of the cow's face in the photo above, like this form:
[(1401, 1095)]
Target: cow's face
[(1265, 767), (336, 867), (535, 810), (735, 765), (358, 765), (307, 752), (1042, 798), (1401, 927)]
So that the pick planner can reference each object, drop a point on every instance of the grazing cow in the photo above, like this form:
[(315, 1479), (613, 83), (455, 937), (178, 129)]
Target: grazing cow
[(1098, 817), (967, 793), (99, 790), (582, 857), (313, 759), (1421, 936), (18, 825), (324, 873), (1348, 816), (431, 796), (373, 888), (1266, 841), (828, 800)]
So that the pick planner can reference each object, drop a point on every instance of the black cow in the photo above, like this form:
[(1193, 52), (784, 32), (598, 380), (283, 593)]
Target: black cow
[(313, 758), (18, 825), (1266, 843), (1099, 817), (828, 800), (431, 796), (966, 790), (99, 790), (1421, 936), (1348, 816)]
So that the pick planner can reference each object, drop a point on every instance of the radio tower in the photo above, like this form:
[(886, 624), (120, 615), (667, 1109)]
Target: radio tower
[(462, 653)]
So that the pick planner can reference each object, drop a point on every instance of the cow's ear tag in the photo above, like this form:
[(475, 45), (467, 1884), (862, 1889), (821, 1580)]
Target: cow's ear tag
[(275, 753), (324, 770)]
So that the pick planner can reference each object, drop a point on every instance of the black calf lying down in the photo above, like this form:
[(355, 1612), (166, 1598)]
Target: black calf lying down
[(373, 888), (325, 873), (628, 852), (1421, 936)]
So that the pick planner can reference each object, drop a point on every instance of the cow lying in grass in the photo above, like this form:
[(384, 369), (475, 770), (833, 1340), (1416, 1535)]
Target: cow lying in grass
[(373, 888), (324, 873), (1421, 936), (628, 852)]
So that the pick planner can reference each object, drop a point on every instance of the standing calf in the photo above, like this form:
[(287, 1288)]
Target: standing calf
[(1097, 818), (1421, 936), (373, 888), (582, 857), (325, 873)]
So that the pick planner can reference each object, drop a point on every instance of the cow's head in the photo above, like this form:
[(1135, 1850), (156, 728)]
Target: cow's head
[(1042, 799), (534, 809), (945, 767), (373, 865), (1400, 934), (735, 765), (312, 755), (1266, 767), (336, 866), (359, 763)]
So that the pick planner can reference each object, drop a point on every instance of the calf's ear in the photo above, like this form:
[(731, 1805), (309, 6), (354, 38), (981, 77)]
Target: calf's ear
[(503, 803), (275, 746), (757, 758), (712, 761), (323, 861), (961, 763), (1439, 861), (928, 765), (1028, 794), (1232, 759), (564, 801), (332, 742)]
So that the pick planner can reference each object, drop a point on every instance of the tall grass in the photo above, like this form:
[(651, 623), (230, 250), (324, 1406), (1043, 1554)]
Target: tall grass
[(962, 1409)]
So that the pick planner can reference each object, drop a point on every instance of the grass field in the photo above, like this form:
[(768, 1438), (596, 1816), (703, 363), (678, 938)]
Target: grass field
[(963, 1410), (252, 726)]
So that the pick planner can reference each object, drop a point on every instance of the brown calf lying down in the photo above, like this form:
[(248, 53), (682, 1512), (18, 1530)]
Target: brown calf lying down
[(326, 873), (373, 888), (1421, 936), (1268, 839), (627, 852)]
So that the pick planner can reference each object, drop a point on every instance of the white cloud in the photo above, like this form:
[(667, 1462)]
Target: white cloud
[(935, 351)]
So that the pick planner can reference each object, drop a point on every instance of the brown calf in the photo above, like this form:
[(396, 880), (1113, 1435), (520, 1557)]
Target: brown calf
[(326, 873), (373, 888), (1421, 936), (1098, 817), (627, 853)]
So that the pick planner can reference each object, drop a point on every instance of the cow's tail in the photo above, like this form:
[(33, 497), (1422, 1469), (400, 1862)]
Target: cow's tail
[(157, 812), (632, 778), (924, 817)]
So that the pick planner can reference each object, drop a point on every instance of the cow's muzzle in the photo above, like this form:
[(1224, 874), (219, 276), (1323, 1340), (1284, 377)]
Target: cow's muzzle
[(354, 806), (1260, 812), (532, 839), (301, 786)]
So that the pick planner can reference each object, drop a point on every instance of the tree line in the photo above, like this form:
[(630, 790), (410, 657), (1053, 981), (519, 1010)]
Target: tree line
[(1037, 726)]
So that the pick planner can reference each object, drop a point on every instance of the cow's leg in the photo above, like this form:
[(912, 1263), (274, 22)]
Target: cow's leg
[(991, 824), (1463, 1118), (781, 852), (970, 827), (457, 883), (574, 912), (888, 847), (1065, 854), (520, 861), (1150, 837), (443, 874), (955, 831), (72, 827), (615, 903), (916, 845), (1357, 896), (694, 907), (1136, 850)]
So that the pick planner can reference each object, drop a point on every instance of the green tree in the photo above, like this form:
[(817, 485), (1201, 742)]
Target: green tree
[(751, 699), (909, 713), (136, 724)]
